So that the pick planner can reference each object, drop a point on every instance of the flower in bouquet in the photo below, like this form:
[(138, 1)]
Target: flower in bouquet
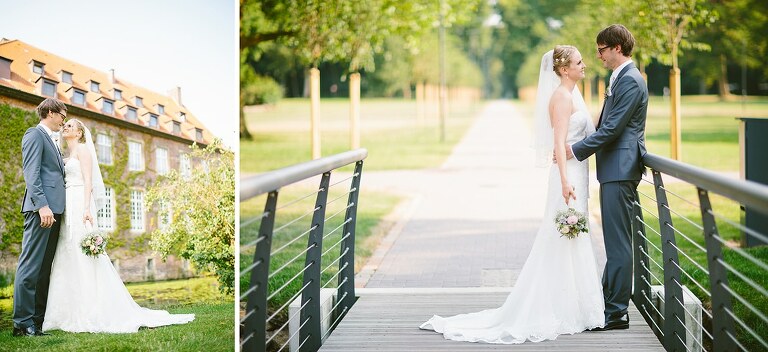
[(570, 223), (94, 243)]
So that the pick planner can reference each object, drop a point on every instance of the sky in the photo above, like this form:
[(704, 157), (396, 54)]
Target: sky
[(157, 45)]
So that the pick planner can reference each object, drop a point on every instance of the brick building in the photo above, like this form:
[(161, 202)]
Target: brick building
[(140, 135)]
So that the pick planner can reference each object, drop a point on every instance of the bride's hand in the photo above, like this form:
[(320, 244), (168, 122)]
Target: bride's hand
[(87, 217), (568, 192)]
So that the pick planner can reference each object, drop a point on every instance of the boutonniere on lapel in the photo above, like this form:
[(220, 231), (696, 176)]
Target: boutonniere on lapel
[(55, 138)]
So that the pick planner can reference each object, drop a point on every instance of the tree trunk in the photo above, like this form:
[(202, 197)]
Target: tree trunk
[(244, 133), (722, 81)]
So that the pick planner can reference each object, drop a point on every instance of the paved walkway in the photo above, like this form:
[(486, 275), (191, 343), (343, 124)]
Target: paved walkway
[(471, 222)]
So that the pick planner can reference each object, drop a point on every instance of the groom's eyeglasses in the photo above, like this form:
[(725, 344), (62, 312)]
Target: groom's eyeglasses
[(63, 116), (600, 50)]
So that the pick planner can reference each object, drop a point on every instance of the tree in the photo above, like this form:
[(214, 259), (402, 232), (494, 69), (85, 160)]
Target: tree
[(201, 207)]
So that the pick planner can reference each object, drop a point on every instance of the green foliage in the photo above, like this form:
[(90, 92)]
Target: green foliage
[(257, 89), (13, 123), (202, 207)]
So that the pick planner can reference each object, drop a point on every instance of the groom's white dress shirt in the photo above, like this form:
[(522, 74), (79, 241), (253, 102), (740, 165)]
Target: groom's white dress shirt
[(53, 135), (615, 74)]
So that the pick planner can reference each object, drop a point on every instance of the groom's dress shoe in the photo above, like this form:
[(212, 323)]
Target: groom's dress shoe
[(28, 331), (621, 323)]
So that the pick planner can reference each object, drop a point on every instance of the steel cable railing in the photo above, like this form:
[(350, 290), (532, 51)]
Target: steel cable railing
[(728, 279), (297, 288)]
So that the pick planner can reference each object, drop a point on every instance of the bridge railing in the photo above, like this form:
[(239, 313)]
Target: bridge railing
[(297, 291), (693, 283)]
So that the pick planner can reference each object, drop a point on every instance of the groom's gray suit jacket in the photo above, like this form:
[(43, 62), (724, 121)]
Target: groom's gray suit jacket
[(43, 172), (619, 142)]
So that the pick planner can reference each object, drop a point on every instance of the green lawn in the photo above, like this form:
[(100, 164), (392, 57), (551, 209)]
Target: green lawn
[(212, 329), (390, 130)]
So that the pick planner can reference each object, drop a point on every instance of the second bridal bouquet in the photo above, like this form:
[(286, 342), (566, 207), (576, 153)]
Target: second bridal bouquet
[(94, 243), (570, 223)]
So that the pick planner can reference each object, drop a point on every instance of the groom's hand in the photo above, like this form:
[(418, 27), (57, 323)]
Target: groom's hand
[(46, 217)]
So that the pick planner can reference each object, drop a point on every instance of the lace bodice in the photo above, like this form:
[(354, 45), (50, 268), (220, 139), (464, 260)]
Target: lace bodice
[(73, 173), (577, 127)]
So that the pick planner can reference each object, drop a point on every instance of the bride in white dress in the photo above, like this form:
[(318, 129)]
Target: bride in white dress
[(86, 294), (558, 290)]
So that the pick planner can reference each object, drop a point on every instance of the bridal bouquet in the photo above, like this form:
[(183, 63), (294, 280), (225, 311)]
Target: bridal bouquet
[(94, 243), (570, 223)]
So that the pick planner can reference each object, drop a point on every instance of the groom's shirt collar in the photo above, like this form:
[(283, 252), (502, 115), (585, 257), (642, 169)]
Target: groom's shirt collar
[(47, 130), (615, 74)]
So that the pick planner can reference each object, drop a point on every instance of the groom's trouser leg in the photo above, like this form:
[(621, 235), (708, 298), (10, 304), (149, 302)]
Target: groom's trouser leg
[(616, 203), (30, 272)]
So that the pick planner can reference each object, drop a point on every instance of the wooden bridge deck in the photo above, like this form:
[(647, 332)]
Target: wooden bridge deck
[(389, 319)]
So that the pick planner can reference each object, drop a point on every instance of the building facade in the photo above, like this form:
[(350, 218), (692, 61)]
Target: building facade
[(140, 135)]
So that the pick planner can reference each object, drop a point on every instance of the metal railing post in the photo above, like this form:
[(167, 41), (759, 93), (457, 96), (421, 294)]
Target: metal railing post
[(641, 294), (722, 322), (310, 332), (674, 315), (346, 283), (255, 324)]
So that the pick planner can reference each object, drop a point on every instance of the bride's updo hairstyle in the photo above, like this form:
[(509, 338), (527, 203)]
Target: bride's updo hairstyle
[(81, 128), (561, 57)]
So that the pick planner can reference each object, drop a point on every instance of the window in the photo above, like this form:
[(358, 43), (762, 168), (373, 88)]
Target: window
[(161, 160), (176, 127), (66, 77), (137, 210), (198, 134), (38, 67), (104, 149), (185, 166), (108, 106), (135, 157), (182, 116), (5, 68), (49, 88), (78, 97), (153, 121), (106, 215), (164, 216), (118, 94), (140, 102), (160, 109), (131, 114), (94, 86)]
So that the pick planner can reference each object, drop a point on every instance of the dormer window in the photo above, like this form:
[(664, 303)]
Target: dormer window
[(160, 109), (176, 127), (107, 106), (198, 134), (94, 86), (78, 97), (66, 77), (118, 94), (140, 102), (5, 68), (131, 115), (182, 117), (49, 88), (153, 120), (38, 67)]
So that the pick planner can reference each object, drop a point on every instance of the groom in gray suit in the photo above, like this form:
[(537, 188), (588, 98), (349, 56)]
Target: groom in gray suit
[(619, 145), (43, 207)]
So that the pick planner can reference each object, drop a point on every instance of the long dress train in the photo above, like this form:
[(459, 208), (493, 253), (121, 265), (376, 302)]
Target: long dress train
[(558, 290), (86, 294)]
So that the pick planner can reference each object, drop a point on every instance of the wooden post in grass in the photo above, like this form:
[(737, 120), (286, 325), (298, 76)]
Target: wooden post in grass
[(314, 96), (600, 92), (420, 101), (676, 150), (354, 110), (588, 92)]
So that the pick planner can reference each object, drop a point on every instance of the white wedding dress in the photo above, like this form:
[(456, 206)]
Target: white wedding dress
[(558, 290), (86, 294)]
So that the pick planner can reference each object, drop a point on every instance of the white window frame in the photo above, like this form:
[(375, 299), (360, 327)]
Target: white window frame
[(95, 85), (105, 217), (137, 211), (135, 156), (161, 163), (185, 165), (105, 103), (75, 92), (104, 148), (42, 88), (66, 77), (38, 65)]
